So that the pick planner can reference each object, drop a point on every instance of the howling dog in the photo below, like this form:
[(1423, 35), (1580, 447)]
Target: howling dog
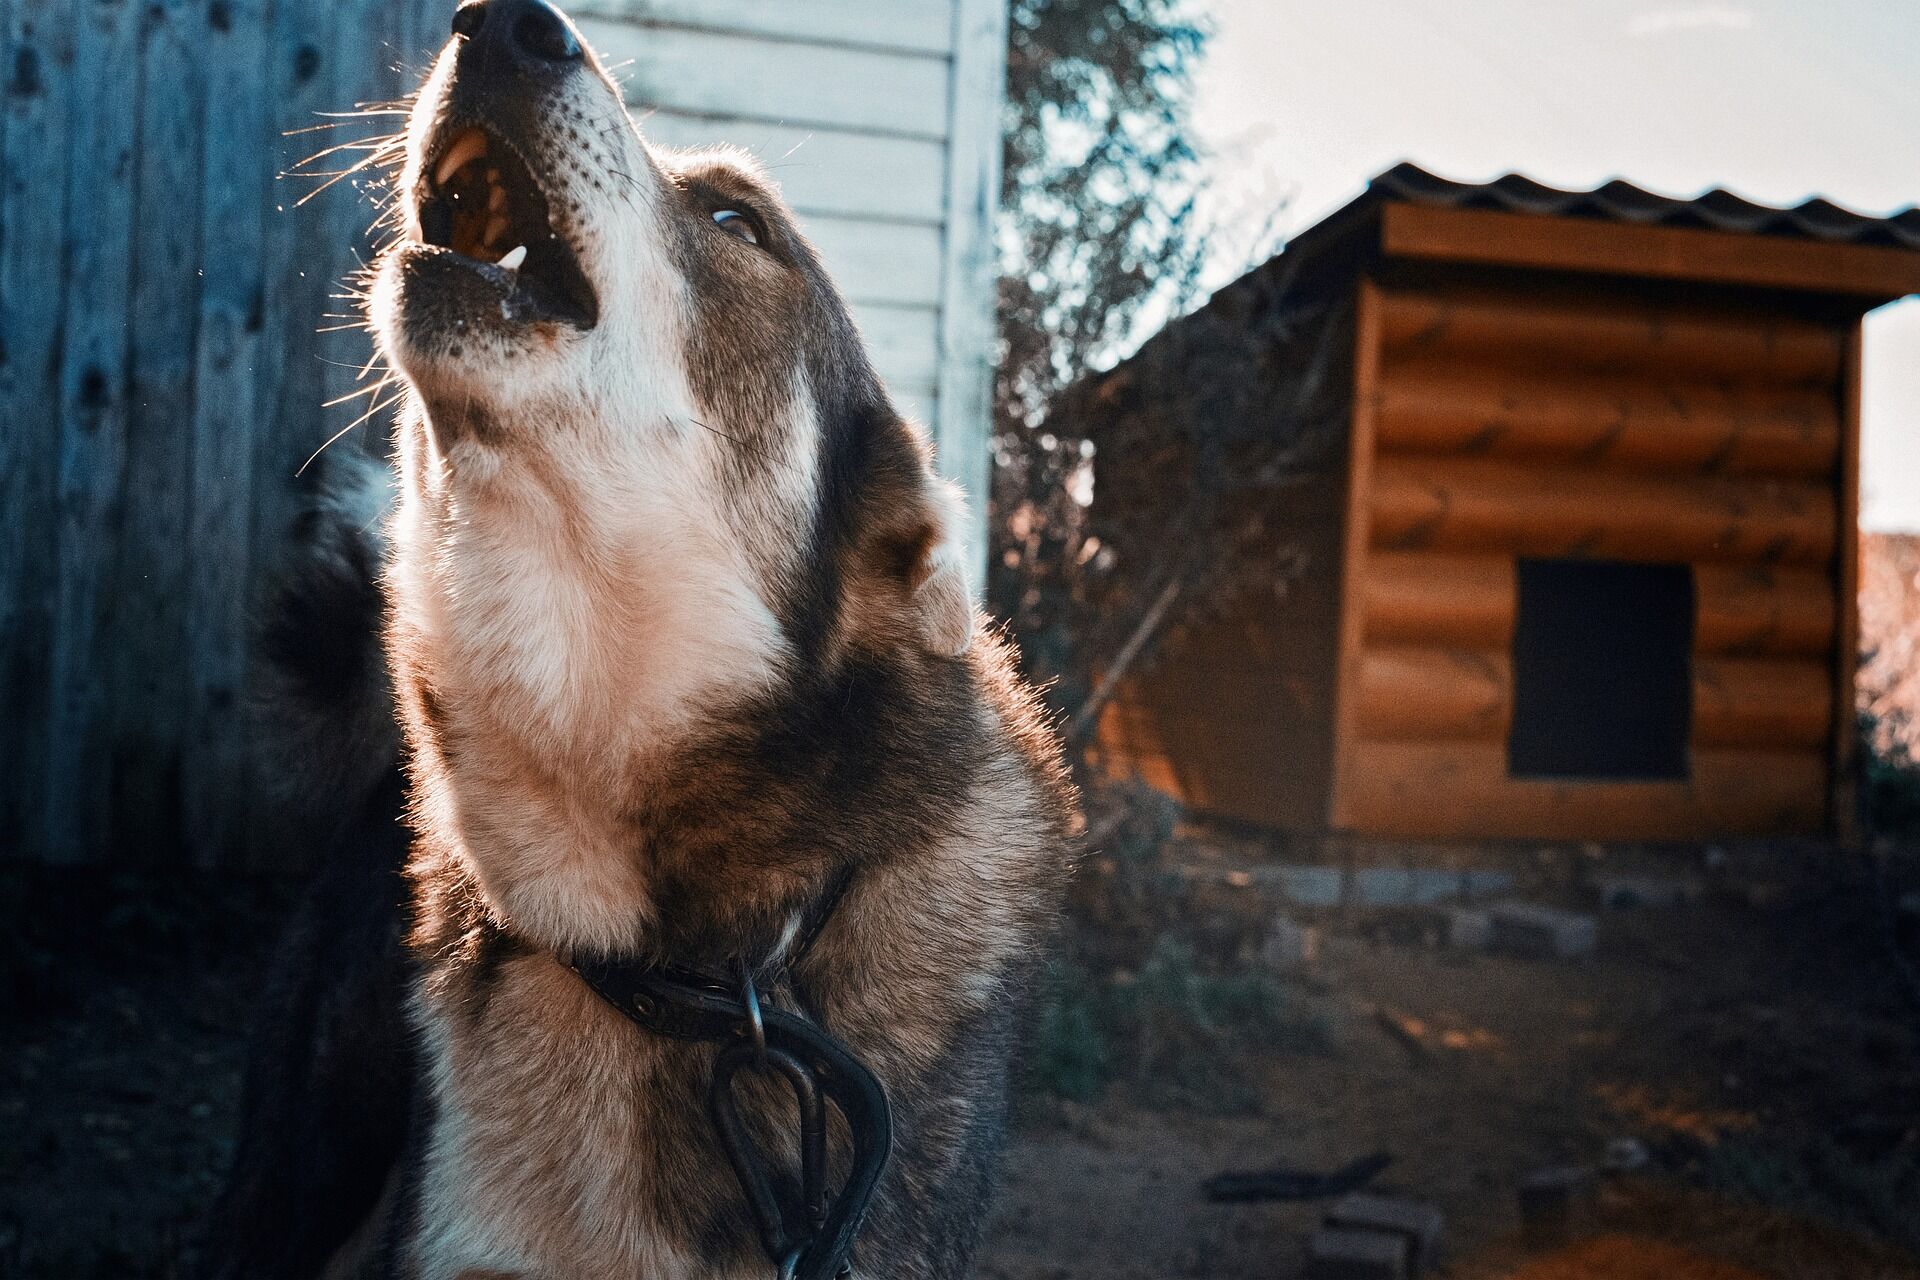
[(683, 927)]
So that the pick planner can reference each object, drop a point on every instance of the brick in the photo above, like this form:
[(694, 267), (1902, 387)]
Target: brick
[(1626, 1155), (1530, 929), (1347, 1253), (1407, 886), (1477, 884), (1414, 1221), (1627, 893), (1550, 1199), (1469, 928), (1309, 886), (1290, 945)]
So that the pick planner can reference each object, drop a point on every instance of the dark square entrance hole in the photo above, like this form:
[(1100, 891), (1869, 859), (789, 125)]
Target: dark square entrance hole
[(1602, 670)]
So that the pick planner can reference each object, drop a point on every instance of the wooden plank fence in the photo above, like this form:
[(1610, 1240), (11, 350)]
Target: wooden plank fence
[(161, 381)]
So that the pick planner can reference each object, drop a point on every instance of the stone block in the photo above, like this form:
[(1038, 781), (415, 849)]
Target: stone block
[(1628, 893), (1407, 886), (1310, 886), (1469, 928), (1529, 929), (1346, 1253), (1290, 945), (1479, 884), (1415, 1221), (1552, 1201)]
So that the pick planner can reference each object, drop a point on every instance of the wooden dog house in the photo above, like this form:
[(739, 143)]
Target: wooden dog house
[(1577, 492)]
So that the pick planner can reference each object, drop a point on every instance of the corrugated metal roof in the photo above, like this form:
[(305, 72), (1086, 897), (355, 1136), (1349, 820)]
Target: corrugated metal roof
[(1716, 210)]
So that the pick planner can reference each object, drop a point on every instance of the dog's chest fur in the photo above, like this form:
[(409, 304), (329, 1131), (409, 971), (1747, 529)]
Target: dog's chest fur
[(585, 619), (562, 1140), (553, 1145), (547, 657), (565, 1141)]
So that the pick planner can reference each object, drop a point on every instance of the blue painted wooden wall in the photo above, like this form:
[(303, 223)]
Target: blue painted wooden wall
[(161, 381)]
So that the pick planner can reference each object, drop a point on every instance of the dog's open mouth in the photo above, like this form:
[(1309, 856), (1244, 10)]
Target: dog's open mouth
[(480, 202)]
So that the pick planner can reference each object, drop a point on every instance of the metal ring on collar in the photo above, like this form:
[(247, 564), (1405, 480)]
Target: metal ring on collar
[(756, 1026)]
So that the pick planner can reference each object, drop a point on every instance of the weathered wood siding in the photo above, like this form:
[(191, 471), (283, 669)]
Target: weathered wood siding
[(161, 381), (881, 121)]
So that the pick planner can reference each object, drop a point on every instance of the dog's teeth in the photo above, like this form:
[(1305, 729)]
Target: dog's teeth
[(468, 146), (513, 257)]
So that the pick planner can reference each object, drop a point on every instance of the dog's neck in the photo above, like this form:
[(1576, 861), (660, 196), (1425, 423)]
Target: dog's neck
[(592, 669), (561, 652)]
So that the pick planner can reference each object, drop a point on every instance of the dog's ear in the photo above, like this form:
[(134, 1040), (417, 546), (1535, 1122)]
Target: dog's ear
[(910, 585), (941, 598)]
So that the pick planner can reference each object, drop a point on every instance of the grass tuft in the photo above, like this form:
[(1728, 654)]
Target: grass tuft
[(1172, 1034)]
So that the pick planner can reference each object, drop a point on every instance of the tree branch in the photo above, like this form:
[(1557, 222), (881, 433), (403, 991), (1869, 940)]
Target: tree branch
[(1150, 623)]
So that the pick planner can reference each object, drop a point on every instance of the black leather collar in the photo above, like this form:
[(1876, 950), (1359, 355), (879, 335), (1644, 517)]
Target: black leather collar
[(811, 1241)]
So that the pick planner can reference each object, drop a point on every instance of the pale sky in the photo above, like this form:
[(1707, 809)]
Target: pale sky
[(1303, 100)]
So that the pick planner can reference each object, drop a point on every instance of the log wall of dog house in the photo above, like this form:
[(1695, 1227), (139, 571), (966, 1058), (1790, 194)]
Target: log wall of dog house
[(1495, 427)]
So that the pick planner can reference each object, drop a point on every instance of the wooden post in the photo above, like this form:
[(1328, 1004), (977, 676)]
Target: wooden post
[(963, 430), (1843, 803), (1357, 538), (224, 424)]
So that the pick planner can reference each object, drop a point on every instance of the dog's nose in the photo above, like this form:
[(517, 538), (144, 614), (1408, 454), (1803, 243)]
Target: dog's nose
[(531, 32)]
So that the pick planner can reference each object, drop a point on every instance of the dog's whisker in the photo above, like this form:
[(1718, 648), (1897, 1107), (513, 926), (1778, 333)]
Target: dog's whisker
[(357, 393), (384, 404), (375, 145), (765, 453), (314, 128), (367, 163)]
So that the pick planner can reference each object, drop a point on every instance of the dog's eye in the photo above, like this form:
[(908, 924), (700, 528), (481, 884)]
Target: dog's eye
[(736, 223)]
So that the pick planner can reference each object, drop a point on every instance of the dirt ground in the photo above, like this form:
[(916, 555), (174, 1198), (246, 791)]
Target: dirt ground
[(1755, 1041)]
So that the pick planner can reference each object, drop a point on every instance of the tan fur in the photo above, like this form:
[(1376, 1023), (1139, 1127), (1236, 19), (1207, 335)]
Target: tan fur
[(604, 571), (552, 1098)]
